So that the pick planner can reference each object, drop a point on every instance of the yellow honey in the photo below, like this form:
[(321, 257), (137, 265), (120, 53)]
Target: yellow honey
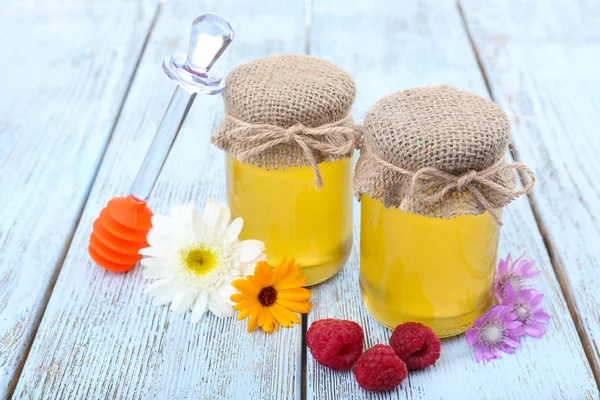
[(431, 270), (285, 210)]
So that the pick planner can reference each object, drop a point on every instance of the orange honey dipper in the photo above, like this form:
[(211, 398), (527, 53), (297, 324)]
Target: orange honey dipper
[(120, 231)]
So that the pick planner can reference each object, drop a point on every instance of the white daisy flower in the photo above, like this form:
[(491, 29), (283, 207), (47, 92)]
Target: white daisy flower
[(194, 258)]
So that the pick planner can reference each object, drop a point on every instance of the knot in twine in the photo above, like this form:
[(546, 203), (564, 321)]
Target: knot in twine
[(430, 185), (335, 139)]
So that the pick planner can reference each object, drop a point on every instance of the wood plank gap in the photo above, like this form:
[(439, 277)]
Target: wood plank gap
[(38, 318), (554, 260), (475, 51), (304, 355)]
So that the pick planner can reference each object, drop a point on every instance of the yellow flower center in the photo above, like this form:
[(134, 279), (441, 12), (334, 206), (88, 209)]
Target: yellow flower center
[(267, 296), (200, 260)]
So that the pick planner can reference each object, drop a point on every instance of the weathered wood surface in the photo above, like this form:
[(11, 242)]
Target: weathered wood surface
[(545, 72), (388, 48), (100, 336), (64, 73)]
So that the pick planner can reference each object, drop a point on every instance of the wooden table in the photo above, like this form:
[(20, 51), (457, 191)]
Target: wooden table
[(82, 94)]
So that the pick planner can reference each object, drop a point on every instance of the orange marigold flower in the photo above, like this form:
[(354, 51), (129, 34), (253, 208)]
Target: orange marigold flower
[(272, 296)]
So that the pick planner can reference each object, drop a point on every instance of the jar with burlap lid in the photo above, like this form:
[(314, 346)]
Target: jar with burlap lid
[(432, 180), (289, 137)]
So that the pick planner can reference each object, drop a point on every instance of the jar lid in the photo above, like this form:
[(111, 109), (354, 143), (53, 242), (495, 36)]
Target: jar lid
[(437, 151), (440, 127), (289, 89), (288, 111)]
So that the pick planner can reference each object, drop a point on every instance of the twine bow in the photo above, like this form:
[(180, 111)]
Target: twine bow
[(335, 139), (430, 185)]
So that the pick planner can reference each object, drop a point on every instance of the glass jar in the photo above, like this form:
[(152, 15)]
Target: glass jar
[(289, 137), (435, 271), (432, 181), (285, 210)]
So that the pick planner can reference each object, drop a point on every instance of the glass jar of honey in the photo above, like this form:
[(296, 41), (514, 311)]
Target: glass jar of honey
[(432, 181), (289, 138)]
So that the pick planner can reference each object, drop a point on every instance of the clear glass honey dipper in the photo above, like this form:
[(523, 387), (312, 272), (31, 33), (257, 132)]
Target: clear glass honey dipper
[(120, 230)]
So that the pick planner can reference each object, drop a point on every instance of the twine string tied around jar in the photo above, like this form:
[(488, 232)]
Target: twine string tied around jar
[(430, 185), (336, 139)]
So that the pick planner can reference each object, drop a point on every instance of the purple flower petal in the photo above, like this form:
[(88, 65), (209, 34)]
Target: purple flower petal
[(515, 325), (503, 265), (535, 329), (518, 260), (516, 333), (521, 265), (507, 349), (495, 353), (537, 298), (507, 316), (509, 295), (497, 331), (533, 332), (509, 273), (498, 293), (518, 312), (512, 343), (472, 336), (540, 315), (526, 270), (494, 311), (478, 354), (479, 322)]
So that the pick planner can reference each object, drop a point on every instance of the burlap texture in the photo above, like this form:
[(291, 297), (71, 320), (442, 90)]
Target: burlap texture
[(439, 152), (281, 110)]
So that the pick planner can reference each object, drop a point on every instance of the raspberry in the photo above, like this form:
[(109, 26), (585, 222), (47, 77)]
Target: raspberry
[(379, 369), (416, 345), (335, 343)]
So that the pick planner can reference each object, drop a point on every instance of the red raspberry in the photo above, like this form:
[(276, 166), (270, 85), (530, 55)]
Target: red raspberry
[(335, 343), (379, 369), (416, 345)]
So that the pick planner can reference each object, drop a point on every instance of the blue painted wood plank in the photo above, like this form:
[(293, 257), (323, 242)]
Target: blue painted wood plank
[(64, 72)]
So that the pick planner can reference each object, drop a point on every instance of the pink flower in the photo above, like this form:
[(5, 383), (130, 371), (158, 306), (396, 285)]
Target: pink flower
[(525, 303), (497, 331), (513, 273)]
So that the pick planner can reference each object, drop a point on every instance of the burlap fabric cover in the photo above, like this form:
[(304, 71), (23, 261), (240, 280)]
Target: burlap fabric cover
[(288, 110), (439, 152)]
